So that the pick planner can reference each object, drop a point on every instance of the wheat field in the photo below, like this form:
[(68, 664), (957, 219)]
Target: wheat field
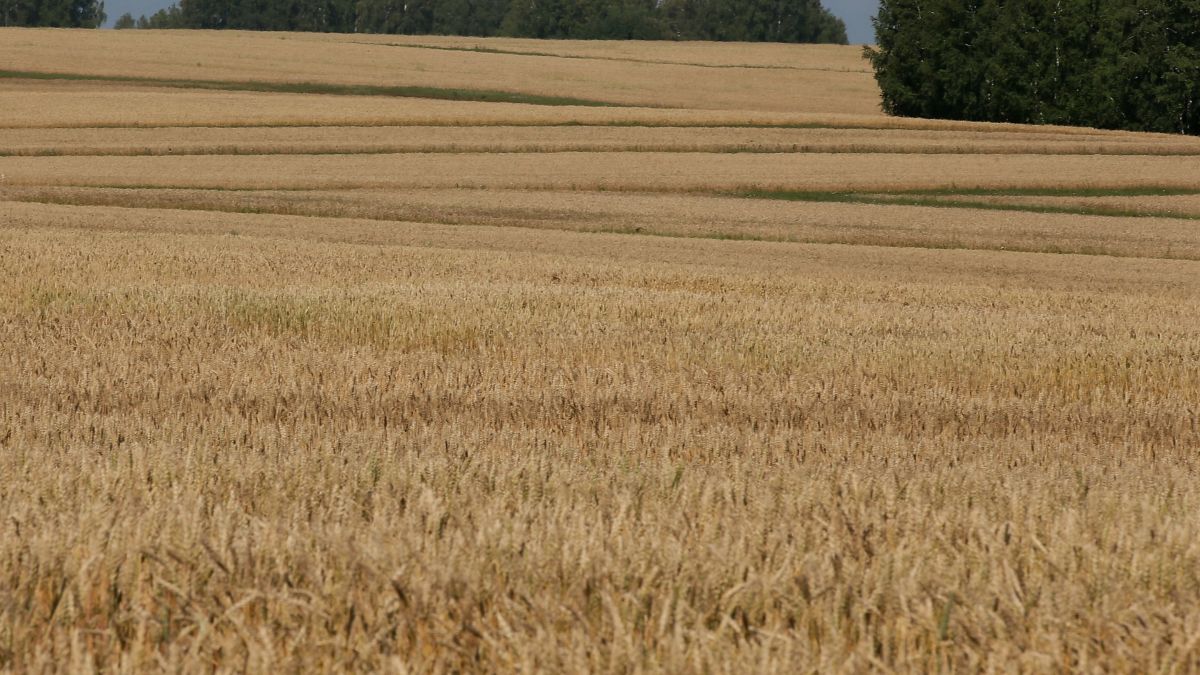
[(439, 355)]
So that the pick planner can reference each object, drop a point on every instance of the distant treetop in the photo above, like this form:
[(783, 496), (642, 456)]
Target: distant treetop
[(1118, 64), (725, 20), (52, 13)]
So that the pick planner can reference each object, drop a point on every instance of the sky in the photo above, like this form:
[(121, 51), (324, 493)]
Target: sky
[(856, 13), (115, 8)]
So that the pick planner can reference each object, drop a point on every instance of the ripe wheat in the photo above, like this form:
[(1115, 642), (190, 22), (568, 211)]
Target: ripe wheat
[(461, 412)]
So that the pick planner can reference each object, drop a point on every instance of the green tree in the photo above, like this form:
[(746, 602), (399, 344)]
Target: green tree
[(543, 18), (756, 20), (753, 20), (52, 13), (1128, 64), (170, 17), (395, 16), (468, 17)]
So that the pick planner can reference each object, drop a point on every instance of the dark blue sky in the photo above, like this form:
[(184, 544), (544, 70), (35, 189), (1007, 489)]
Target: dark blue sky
[(856, 13)]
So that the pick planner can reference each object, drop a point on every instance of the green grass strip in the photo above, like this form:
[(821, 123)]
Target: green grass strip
[(439, 93), (638, 231), (624, 59), (926, 199), (1145, 191)]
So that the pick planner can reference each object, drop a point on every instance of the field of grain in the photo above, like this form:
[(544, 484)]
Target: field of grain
[(1184, 206), (538, 139), (414, 365)]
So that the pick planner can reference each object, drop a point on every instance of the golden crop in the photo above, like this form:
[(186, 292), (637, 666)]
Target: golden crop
[(625, 171), (1185, 205), (818, 83), (534, 139), (320, 382), (688, 215)]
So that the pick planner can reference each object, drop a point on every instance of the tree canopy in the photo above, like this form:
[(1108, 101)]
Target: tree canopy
[(745, 20), (1120, 64), (52, 13)]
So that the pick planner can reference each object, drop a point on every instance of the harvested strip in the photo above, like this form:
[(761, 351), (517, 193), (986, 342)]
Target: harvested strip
[(609, 171), (964, 268), (41, 104), (692, 216), (529, 139), (987, 202), (1170, 206)]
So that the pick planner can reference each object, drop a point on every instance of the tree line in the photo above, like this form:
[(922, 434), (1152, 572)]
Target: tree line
[(54, 13), (726, 20), (1117, 64)]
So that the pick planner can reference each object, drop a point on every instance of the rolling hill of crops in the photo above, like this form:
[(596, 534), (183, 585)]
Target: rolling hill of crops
[(419, 354)]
